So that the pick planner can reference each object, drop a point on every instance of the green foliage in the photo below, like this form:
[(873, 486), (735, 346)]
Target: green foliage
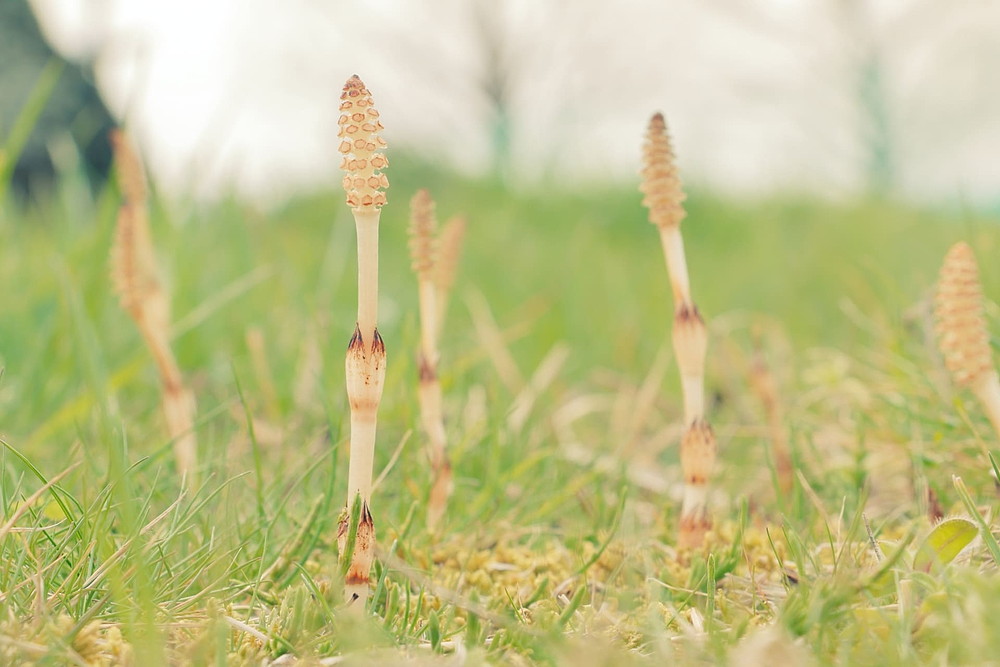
[(560, 533), (944, 543), (27, 118)]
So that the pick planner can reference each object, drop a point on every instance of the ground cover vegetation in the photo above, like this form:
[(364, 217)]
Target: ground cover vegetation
[(851, 501)]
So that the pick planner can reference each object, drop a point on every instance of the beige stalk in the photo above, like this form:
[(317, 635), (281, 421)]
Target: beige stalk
[(764, 385), (134, 276), (961, 329), (664, 197), (424, 251), (365, 363)]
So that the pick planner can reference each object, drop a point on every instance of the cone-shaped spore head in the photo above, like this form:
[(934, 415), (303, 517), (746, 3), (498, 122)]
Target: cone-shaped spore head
[(360, 145), (133, 262), (423, 228), (961, 326), (660, 183), (128, 166)]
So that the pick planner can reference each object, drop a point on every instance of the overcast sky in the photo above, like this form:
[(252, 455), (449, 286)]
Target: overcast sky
[(760, 95)]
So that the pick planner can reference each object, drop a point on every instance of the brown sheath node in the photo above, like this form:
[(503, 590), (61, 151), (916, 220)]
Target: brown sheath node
[(693, 530), (426, 370), (698, 452), (378, 346), (687, 312), (357, 343), (364, 550)]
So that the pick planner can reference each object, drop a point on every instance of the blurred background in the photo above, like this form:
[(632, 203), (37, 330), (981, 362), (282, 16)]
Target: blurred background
[(837, 98)]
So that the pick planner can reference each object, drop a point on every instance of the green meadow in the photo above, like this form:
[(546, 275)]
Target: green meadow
[(563, 413)]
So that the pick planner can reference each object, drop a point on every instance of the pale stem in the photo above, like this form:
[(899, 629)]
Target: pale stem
[(430, 399), (693, 388), (178, 407), (433, 421), (163, 356), (178, 402), (437, 503), (428, 322), (366, 223), (441, 297), (782, 455), (359, 474), (357, 596), (673, 251), (695, 499)]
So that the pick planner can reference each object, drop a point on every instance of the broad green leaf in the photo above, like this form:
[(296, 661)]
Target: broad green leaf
[(944, 543)]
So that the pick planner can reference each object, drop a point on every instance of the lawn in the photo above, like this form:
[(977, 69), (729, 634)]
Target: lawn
[(563, 414)]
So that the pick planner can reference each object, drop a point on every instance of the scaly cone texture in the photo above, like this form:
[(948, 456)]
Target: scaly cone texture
[(359, 131), (133, 274), (423, 228), (961, 329), (424, 252), (365, 363), (661, 184), (664, 197)]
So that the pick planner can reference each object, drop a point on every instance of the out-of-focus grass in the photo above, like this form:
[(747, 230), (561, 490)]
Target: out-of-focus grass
[(558, 542)]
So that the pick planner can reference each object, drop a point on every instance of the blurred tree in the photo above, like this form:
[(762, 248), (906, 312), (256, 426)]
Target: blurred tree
[(495, 80), (74, 111), (526, 72), (872, 99)]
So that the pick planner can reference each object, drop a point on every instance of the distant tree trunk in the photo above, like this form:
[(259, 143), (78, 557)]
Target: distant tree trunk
[(496, 81), (876, 134), (881, 168)]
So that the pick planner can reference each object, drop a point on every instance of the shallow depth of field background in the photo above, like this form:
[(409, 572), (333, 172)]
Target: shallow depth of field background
[(836, 97), (832, 151)]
